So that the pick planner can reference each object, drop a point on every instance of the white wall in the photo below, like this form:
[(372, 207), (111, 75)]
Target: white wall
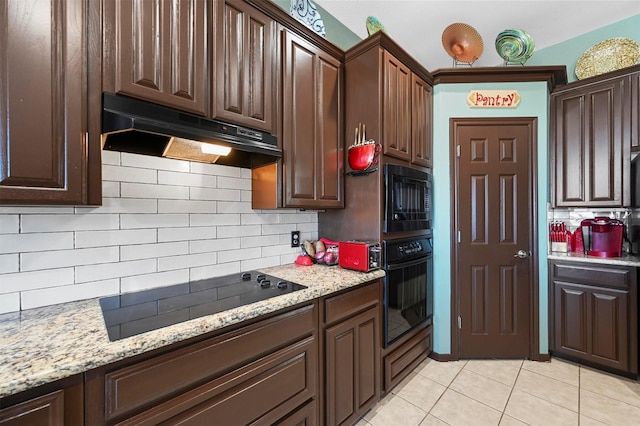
[(162, 222)]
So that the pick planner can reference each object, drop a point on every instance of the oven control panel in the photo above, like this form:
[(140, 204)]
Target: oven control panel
[(404, 249)]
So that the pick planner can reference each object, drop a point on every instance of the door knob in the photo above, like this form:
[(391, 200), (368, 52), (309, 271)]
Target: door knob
[(522, 254)]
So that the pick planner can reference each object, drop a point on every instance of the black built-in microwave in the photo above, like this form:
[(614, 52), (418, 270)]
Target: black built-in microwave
[(408, 199)]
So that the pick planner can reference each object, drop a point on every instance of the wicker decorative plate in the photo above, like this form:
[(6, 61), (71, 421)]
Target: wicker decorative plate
[(606, 56)]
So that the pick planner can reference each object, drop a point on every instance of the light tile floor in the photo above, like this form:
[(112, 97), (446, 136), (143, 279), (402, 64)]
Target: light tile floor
[(508, 392)]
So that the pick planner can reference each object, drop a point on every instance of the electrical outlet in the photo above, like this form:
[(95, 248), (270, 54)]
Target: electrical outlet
[(295, 238)]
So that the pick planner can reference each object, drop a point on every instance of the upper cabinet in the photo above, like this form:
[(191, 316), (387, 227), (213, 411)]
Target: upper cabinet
[(311, 125), (634, 108), (157, 51), (391, 94), (591, 128), (49, 131), (244, 90)]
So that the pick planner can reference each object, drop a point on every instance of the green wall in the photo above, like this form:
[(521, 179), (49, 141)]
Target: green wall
[(568, 52)]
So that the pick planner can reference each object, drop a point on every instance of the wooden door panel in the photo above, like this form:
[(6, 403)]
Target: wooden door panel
[(494, 213), (609, 327), (161, 52), (571, 152), (43, 139), (571, 319), (329, 132), (397, 106), (602, 146), (421, 116)]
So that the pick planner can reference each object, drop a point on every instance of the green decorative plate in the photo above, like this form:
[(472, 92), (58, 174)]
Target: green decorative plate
[(373, 25), (515, 45)]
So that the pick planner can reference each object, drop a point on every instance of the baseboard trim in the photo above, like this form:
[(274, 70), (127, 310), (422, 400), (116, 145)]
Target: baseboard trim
[(442, 357)]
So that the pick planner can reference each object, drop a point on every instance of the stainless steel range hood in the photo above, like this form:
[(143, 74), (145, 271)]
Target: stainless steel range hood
[(139, 127)]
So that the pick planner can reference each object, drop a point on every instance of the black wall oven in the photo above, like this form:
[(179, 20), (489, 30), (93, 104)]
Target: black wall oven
[(407, 199), (408, 285)]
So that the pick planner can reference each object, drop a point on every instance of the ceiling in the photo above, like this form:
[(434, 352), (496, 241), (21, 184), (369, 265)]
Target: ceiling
[(417, 25)]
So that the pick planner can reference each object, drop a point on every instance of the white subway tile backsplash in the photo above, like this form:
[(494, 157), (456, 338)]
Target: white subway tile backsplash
[(9, 263), (148, 251), (234, 183), (220, 244), (122, 205), (157, 163), (68, 293), (9, 302), (65, 258), (110, 189), (22, 281), (68, 222), (186, 179), (186, 261), (234, 207), (9, 224), (187, 234), (20, 243), (187, 206), (162, 222), (129, 174), (146, 190), (159, 279), (214, 219), (138, 221), (214, 194), (217, 169), (86, 239), (204, 272), (106, 271), (241, 254), (239, 231)]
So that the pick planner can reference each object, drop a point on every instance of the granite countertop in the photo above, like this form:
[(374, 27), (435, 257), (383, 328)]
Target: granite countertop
[(38, 346), (627, 260)]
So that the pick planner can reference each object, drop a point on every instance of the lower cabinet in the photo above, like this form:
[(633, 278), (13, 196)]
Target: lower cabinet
[(594, 314), (59, 403), (405, 357), (352, 354), (261, 373)]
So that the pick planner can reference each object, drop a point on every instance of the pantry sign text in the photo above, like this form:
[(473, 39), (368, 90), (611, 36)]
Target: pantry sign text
[(493, 98)]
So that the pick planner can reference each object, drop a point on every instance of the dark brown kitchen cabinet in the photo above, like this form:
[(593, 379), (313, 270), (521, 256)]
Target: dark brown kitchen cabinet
[(421, 119), (312, 125), (244, 90), (592, 123), (391, 94), (157, 50), (594, 314), (54, 404), (262, 373), (352, 354), (396, 110), (634, 108), (50, 136)]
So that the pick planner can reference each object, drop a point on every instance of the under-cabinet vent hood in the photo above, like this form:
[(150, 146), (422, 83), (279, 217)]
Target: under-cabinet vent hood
[(131, 125)]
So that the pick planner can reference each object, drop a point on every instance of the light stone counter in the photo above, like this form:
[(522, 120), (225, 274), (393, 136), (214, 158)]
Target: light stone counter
[(577, 257), (42, 345)]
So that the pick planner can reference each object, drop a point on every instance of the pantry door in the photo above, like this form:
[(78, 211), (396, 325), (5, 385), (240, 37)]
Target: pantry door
[(495, 223)]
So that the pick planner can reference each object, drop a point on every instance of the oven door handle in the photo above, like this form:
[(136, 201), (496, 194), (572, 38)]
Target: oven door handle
[(414, 262)]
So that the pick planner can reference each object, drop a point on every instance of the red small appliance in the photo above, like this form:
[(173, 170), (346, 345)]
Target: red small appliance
[(602, 236), (362, 256)]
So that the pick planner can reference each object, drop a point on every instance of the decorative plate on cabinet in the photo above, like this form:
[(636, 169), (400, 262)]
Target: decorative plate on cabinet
[(515, 45), (306, 12), (373, 25), (462, 42), (606, 56)]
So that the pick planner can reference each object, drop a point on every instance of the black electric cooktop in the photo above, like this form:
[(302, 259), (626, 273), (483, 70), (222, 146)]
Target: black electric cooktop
[(129, 314)]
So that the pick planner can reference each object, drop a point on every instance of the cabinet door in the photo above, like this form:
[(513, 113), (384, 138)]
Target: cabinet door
[(46, 410), (44, 143), (161, 51), (312, 126), (421, 136), (243, 91), (634, 106), (591, 323), (396, 114), (588, 146), (352, 376)]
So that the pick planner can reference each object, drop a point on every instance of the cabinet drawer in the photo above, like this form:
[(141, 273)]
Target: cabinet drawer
[(399, 363), (260, 392), (347, 304), (148, 382), (608, 276)]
